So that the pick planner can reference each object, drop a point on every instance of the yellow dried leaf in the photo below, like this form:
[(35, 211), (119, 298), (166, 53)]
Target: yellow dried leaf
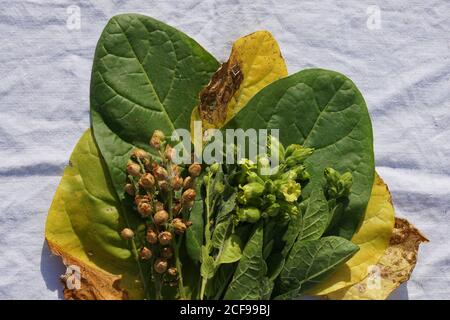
[(394, 267), (82, 227), (372, 238), (255, 61)]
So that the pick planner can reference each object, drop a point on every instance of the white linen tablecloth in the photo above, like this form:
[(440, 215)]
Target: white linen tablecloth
[(397, 52)]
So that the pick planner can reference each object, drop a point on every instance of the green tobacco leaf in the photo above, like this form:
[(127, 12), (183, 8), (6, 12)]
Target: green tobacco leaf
[(220, 234), (249, 282), (146, 76), (324, 110), (310, 262), (315, 219), (194, 235), (231, 250), (83, 227)]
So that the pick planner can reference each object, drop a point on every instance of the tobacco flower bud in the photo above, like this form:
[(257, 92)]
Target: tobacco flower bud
[(194, 170), (250, 192), (159, 206), (254, 177), (160, 173), (338, 185), (156, 139), (165, 238), (160, 265), (219, 187), (145, 253), (163, 185), (133, 169), (147, 181), (129, 189), (177, 182), (205, 179), (298, 155), (161, 217), (172, 271), (249, 214), (345, 184), (151, 237), (188, 182), (188, 195), (145, 208), (166, 252), (214, 167), (127, 234), (140, 154), (178, 225)]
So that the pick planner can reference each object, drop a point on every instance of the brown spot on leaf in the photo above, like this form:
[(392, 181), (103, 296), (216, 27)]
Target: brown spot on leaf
[(214, 98)]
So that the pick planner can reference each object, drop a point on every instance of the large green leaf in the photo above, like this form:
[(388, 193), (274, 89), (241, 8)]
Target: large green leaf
[(247, 282), (310, 262), (84, 222), (146, 76), (324, 110)]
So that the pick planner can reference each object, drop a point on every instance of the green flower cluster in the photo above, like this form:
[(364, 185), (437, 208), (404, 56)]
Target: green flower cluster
[(278, 193)]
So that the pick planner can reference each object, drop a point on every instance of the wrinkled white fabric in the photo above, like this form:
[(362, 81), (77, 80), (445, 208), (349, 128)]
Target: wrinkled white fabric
[(401, 65)]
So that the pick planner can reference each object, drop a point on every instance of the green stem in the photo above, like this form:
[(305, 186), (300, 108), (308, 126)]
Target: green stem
[(179, 266), (207, 232), (177, 239)]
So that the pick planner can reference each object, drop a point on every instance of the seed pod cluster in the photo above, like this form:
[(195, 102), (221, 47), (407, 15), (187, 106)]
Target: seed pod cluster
[(163, 198)]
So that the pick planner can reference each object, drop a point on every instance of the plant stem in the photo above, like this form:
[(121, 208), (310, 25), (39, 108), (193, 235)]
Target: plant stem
[(177, 239), (179, 266), (207, 232)]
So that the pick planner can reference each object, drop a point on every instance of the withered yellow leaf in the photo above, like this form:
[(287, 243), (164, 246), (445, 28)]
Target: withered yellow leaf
[(372, 238), (394, 267), (255, 61), (83, 228)]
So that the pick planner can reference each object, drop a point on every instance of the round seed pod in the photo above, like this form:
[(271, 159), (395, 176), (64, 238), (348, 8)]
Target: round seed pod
[(151, 237), (133, 169), (129, 189), (194, 170), (165, 238), (140, 154), (178, 225), (160, 265), (188, 183), (147, 181), (145, 209), (145, 253), (176, 183), (172, 271), (127, 234), (160, 173), (188, 195), (161, 217)]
